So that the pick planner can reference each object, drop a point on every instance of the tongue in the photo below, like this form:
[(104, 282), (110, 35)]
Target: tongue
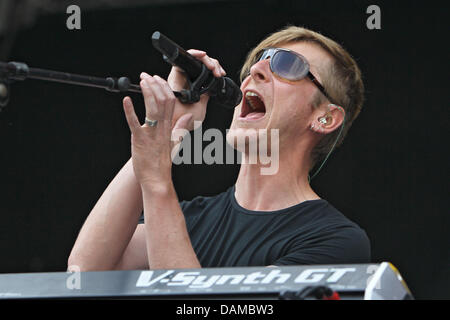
[(255, 115)]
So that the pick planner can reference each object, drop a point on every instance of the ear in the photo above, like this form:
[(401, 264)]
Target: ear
[(327, 119)]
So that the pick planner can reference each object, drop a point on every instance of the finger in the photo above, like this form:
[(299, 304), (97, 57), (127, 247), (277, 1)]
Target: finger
[(209, 62), (130, 115), (166, 100), (196, 53), (151, 108), (218, 70), (158, 93), (213, 65), (166, 93)]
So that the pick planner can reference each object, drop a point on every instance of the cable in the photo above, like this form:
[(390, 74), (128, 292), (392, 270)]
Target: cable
[(332, 148)]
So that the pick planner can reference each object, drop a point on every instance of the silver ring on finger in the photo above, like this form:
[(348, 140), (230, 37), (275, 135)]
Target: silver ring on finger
[(150, 122)]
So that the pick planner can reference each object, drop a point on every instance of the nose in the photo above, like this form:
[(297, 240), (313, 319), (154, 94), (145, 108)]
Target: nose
[(260, 71)]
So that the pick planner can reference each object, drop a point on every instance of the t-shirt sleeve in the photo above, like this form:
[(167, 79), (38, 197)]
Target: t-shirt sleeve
[(342, 245)]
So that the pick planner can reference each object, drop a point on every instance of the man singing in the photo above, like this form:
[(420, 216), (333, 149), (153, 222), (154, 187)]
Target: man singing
[(299, 82)]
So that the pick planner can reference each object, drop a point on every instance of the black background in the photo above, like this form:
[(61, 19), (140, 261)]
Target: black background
[(61, 145)]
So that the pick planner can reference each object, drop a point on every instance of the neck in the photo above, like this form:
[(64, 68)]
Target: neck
[(287, 187)]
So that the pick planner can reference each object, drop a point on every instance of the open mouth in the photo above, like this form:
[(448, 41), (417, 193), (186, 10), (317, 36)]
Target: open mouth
[(253, 107)]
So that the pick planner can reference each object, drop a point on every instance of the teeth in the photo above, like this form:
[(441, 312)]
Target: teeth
[(251, 94)]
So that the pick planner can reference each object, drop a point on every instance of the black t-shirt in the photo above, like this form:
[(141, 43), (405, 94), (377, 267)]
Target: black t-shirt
[(224, 234)]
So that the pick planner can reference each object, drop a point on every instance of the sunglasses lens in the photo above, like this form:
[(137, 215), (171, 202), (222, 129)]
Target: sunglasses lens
[(288, 65), (265, 54)]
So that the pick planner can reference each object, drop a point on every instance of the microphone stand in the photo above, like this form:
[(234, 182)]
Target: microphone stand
[(18, 71)]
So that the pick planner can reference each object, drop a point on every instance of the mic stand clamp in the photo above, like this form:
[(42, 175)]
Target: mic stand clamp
[(196, 88)]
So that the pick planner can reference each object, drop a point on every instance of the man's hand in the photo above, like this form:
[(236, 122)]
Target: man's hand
[(151, 145), (177, 81)]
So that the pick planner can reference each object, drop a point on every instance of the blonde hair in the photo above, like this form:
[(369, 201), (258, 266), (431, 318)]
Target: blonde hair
[(342, 79)]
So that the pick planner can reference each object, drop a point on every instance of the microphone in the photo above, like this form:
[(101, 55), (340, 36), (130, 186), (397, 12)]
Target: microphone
[(222, 89)]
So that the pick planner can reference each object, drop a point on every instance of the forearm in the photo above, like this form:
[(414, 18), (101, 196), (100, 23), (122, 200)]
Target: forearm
[(110, 225), (167, 238)]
